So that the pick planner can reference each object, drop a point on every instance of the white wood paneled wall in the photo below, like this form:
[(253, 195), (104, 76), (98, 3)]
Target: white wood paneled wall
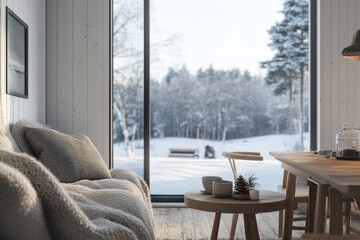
[(78, 69), (338, 78), (32, 12)]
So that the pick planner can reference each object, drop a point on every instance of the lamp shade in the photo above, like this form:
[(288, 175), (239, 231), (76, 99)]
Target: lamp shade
[(353, 51)]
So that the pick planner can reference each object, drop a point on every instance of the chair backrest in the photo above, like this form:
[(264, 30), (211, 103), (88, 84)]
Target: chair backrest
[(285, 178), (232, 156), (243, 155)]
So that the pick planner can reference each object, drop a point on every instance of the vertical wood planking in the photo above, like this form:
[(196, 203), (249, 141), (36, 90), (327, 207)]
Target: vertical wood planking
[(64, 71), (326, 81), (52, 63), (69, 43), (19, 5), (342, 94), (106, 82), (335, 59), (351, 83), (28, 105), (41, 73), (343, 88), (95, 69), (319, 74), (340, 104), (10, 102), (61, 65), (3, 103), (80, 76), (357, 66), (16, 100), (25, 103), (85, 69), (321, 107)]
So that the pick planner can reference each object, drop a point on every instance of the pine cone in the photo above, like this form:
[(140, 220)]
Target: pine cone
[(241, 185)]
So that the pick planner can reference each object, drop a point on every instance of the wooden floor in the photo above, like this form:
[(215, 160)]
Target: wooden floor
[(185, 223)]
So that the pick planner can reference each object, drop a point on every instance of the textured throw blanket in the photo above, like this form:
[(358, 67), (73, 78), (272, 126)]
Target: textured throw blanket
[(116, 208)]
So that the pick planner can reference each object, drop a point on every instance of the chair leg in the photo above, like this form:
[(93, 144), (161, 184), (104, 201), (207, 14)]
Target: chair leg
[(310, 213), (281, 223), (336, 214), (289, 206), (320, 209), (347, 217)]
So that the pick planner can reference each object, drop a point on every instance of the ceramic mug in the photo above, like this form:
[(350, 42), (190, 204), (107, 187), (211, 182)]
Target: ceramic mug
[(207, 182), (254, 194), (222, 188)]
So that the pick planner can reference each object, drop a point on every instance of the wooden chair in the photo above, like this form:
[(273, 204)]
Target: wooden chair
[(321, 195), (355, 212), (232, 156), (315, 192), (301, 196)]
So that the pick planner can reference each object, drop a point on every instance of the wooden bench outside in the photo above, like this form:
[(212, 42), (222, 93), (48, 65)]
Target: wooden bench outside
[(184, 152)]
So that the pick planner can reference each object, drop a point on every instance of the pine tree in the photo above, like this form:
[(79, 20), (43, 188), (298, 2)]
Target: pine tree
[(287, 69)]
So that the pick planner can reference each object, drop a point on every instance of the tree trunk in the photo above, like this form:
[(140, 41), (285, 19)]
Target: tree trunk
[(302, 76), (218, 124), (122, 116), (226, 115), (224, 134), (291, 109), (174, 133)]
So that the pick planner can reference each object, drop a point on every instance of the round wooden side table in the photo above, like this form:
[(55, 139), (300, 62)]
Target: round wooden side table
[(269, 201)]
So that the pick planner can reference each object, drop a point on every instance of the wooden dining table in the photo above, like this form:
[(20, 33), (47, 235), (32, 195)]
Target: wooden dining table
[(340, 177)]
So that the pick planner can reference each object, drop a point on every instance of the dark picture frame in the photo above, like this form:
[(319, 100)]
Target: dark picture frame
[(16, 55)]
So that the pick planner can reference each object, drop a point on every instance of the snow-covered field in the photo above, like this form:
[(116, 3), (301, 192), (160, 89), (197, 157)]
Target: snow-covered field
[(179, 175)]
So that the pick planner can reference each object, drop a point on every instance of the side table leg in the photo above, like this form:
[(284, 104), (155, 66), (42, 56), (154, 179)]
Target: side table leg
[(251, 229), (233, 225), (215, 230), (289, 206)]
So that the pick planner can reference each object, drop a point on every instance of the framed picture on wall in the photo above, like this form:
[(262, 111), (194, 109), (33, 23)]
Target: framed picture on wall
[(16, 55)]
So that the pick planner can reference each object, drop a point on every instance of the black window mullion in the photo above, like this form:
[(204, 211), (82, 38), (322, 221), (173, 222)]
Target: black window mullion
[(313, 74), (147, 91)]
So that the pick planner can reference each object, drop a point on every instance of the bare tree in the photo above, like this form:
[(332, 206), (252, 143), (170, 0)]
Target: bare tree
[(128, 55)]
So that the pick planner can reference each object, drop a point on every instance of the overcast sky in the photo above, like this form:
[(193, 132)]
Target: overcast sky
[(224, 33)]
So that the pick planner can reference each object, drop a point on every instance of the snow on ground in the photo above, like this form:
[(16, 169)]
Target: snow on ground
[(179, 175)]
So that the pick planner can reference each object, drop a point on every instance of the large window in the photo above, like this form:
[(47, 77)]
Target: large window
[(221, 79)]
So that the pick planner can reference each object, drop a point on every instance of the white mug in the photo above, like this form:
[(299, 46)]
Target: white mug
[(207, 182), (254, 194), (222, 188)]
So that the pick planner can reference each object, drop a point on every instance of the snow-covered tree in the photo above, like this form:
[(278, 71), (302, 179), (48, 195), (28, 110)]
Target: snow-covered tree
[(222, 104), (287, 70)]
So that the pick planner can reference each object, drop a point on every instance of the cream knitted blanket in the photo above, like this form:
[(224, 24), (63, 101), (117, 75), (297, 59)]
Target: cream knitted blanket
[(101, 209)]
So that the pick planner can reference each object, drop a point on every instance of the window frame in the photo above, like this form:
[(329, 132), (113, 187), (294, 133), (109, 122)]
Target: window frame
[(147, 121)]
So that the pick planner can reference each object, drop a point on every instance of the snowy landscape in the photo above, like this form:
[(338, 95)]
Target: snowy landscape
[(178, 175), (217, 84)]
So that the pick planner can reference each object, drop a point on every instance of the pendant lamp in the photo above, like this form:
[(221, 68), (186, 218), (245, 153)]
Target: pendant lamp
[(353, 51)]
